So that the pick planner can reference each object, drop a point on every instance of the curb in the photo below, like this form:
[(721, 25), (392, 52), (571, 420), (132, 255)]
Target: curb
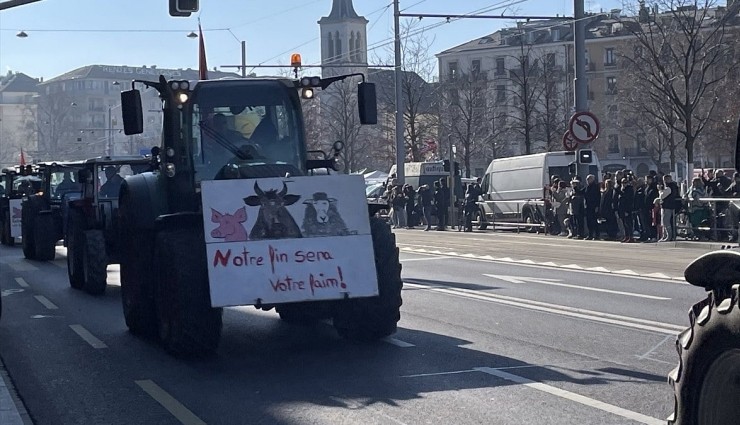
[(12, 410)]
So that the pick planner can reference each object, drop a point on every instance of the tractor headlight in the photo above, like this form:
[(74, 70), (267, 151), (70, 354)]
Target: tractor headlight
[(182, 97), (307, 93), (169, 169)]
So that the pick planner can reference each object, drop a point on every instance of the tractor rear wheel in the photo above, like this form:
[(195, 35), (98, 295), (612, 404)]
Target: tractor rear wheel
[(94, 262), (31, 208), (706, 382), (373, 318), (75, 249), (44, 237), (188, 325), (5, 237), (137, 272)]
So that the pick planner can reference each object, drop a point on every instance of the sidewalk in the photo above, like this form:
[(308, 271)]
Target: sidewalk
[(12, 411)]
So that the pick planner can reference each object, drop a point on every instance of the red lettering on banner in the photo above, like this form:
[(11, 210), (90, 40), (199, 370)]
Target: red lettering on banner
[(277, 257), (244, 259), (221, 258), (312, 256)]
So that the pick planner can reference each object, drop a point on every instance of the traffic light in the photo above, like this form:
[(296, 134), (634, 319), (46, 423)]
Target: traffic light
[(446, 165), (585, 156), (183, 7)]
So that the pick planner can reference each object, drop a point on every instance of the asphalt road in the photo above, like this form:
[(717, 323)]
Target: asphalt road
[(496, 328)]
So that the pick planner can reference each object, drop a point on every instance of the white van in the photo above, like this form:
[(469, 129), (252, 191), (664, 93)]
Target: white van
[(514, 188)]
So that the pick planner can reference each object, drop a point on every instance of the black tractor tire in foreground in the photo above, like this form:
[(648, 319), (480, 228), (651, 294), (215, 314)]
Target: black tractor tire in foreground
[(31, 208), (706, 382), (188, 325), (137, 273), (5, 237), (44, 237), (75, 249), (94, 262), (368, 319)]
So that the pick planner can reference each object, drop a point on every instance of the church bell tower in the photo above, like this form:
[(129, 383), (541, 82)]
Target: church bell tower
[(343, 40)]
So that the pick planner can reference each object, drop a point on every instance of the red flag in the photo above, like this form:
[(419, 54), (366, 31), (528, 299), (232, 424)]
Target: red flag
[(202, 66), (23, 158)]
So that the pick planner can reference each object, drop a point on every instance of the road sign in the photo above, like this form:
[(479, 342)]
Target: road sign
[(569, 143), (584, 126)]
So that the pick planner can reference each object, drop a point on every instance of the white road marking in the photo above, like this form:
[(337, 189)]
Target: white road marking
[(177, 409), (88, 337), (398, 342), (626, 272), (424, 259), (453, 372), (45, 302), (6, 292), (597, 316), (644, 356), (22, 266), (21, 282), (606, 407), (554, 282), (598, 269)]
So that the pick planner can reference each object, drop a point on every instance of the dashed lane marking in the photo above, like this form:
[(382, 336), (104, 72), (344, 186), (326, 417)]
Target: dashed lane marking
[(45, 302), (22, 266), (531, 263), (21, 282), (398, 342), (88, 337), (177, 409), (552, 282), (580, 313), (606, 407)]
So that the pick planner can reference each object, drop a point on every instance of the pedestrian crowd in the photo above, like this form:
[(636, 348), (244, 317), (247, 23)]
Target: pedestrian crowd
[(628, 208), (409, 207)]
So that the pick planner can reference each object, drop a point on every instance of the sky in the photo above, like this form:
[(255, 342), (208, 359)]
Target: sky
[(68, 34)]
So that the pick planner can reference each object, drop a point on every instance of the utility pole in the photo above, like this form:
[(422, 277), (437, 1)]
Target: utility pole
[(580, 87), (400, 144), (243, 66)]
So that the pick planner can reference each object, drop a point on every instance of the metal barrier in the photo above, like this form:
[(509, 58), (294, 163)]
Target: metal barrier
[(713, 216), (542, 225)]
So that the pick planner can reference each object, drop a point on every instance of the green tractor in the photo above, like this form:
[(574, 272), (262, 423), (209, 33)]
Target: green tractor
[(15, 183), (233, 215), (90, 233), (41, 219)]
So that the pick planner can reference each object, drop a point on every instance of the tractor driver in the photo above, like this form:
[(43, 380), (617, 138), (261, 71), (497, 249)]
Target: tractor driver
[(219, 134), (112, 184)]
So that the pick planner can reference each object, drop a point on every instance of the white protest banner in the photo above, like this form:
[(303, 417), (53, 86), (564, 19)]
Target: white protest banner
[(15, 218)]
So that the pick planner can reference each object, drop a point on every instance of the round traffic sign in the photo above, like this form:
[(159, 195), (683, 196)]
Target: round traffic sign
[(569, 143), (584, 126)]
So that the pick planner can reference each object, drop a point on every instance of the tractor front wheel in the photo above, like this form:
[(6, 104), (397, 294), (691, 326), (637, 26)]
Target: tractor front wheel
[(188, 325), (44, 237), (94, 262), (75, 249), (373, 318)]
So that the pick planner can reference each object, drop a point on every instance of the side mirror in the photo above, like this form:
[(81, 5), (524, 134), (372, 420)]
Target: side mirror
[(367, 103), (131, 110)]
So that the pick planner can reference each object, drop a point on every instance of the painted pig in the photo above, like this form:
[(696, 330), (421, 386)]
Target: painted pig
[(230, 227)]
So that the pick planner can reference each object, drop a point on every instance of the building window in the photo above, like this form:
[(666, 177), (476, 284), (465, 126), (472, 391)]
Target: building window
[(613, 113), (358, 47), (338, 48), (611, 85), (610, 57), (500, 93), (614, 143), (550, 61), (330, 50), (500, 66), (475, 68), (351, 47), (452, 70)]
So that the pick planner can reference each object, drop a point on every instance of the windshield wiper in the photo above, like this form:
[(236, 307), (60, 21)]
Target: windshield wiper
[(223, 141)]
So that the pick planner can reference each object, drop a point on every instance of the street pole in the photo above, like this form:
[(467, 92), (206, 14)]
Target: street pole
[(400, 145), (244, 58), (110, 132), (451, 185), (580, 87)]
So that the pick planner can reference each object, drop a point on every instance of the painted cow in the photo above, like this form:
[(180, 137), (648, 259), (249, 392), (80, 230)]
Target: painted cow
[(230, 227), (322, 217), (273, 219), (16, 213)]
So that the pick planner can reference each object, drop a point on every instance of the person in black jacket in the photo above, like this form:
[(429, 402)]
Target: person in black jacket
[(639, 208), (651, 193), (606, 210), (625, 205), (410, 194), (592, 195), (425, 199), (441, 203)]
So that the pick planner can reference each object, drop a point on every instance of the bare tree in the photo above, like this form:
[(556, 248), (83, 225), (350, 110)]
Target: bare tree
[(465, 114), (340, 121), (421, 120), (54, 125), (526, 91), (681, 53)]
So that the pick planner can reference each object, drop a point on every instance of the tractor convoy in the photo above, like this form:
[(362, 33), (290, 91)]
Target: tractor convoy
[(229, 211)]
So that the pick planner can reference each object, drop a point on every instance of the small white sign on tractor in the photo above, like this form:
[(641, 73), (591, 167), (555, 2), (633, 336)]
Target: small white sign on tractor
[(282, 240), (15, 218)]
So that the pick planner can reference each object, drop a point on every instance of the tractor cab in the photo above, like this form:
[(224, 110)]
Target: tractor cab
[(15, 183)]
